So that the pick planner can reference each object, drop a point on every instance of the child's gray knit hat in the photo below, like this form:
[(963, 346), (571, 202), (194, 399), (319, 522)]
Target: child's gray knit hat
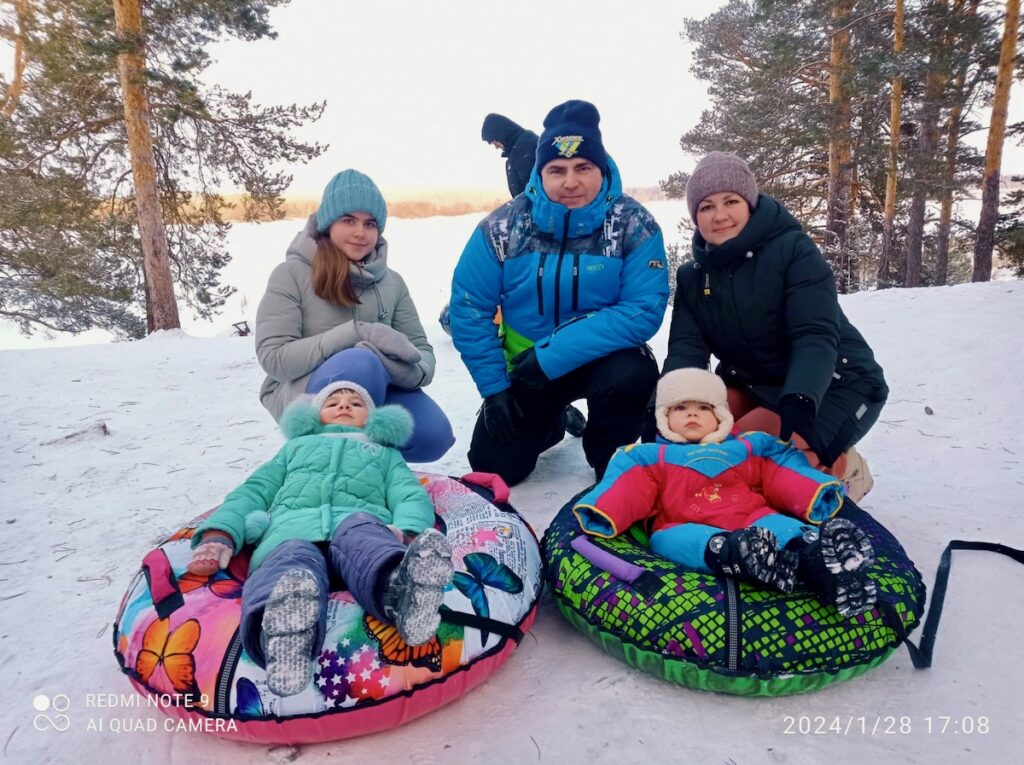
[(322, 395)]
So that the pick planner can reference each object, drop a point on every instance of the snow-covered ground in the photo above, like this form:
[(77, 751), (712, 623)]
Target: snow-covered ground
[(105, 448)]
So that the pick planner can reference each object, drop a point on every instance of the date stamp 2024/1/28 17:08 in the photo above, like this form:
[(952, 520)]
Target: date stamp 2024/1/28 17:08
[(886, 725)]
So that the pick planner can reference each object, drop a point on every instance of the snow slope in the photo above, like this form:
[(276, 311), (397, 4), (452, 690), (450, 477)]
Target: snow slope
[(81, 507)]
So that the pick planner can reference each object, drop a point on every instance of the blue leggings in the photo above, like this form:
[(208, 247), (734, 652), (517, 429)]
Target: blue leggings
[(687, 542), (432, 433)]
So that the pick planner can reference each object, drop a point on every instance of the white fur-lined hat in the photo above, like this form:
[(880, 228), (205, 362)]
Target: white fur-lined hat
[(692, 384), (323, 394)]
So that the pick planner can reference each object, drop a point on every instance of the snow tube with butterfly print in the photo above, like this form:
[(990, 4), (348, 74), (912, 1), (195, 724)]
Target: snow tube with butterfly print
[(176, 634), (714, 633)]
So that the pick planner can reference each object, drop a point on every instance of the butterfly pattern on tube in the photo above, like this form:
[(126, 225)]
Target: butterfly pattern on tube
[(249, 704), (482, 570), (171, 650), (394, 650)]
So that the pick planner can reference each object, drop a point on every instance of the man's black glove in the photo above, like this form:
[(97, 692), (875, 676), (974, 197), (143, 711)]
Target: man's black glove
[(527, 372), (797, 414), (501, 415)]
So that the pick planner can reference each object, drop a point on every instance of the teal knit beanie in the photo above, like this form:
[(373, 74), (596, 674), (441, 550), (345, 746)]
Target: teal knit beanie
[(348, 192)]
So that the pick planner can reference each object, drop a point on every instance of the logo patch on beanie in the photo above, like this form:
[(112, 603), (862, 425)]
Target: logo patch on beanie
[(567, 145)]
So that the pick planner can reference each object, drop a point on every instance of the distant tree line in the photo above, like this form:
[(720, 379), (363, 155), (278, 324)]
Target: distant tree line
[(112, 151), (855, 114)]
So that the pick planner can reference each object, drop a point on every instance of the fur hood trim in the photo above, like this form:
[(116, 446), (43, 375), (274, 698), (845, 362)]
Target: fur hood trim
[(389, 425)]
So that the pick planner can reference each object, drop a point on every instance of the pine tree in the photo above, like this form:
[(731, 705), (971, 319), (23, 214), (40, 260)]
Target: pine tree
[(926, 159), (1009, 230), (161, 307), (892, 164), (994, 147), (71, 255), (851, 130), (966, 39), (795, 88), (840, 151)]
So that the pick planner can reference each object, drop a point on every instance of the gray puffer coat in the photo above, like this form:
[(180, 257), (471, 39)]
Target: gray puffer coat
[(296, 330)]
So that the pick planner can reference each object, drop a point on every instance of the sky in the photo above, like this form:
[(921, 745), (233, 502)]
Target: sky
[(408, 84)]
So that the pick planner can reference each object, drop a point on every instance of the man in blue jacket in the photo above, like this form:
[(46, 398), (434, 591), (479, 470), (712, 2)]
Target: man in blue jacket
[(579, 272)]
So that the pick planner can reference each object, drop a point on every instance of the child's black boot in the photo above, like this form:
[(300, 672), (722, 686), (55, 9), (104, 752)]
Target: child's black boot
[(752, 553), (836, 565)]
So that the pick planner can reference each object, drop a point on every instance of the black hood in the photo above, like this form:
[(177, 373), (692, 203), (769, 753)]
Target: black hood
[(498, 127)]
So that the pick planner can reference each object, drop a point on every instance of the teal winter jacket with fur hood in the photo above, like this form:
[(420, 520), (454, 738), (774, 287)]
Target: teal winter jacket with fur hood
[(323, 474)]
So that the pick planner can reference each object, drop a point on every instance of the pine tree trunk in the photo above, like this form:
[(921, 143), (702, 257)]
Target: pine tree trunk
[(924, 167), (161, 306), (949, 170), (994, 149), (853, 268), (14, 88), (891, 173), (948, 176), (840, 163)]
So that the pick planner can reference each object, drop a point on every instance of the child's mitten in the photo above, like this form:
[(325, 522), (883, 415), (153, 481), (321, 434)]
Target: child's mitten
[(213, 554)]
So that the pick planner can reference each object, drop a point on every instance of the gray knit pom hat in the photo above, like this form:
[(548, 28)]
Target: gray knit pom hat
[(720, 171)]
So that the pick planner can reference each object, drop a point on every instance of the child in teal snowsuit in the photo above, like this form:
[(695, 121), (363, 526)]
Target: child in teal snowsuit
[(337, 496)]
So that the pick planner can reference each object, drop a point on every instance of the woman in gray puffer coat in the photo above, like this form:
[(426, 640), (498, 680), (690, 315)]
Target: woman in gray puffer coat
[(333, 310)]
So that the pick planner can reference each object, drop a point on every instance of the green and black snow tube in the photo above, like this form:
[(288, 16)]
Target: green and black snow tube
[(715, 633)]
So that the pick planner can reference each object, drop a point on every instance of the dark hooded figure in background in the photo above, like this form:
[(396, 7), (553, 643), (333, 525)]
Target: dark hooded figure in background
[(518, 146)]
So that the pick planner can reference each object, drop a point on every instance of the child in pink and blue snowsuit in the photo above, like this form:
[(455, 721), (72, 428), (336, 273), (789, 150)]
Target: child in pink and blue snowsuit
[(748, 506)]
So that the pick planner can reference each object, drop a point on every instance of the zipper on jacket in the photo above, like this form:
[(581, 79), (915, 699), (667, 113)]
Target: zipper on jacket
[(540, 284), (707, 283), (732, 626), (575, 281), (569, 323), (558, 266)]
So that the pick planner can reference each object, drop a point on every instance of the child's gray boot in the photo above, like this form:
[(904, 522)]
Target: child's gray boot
[(415, 589), (289, 628)]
